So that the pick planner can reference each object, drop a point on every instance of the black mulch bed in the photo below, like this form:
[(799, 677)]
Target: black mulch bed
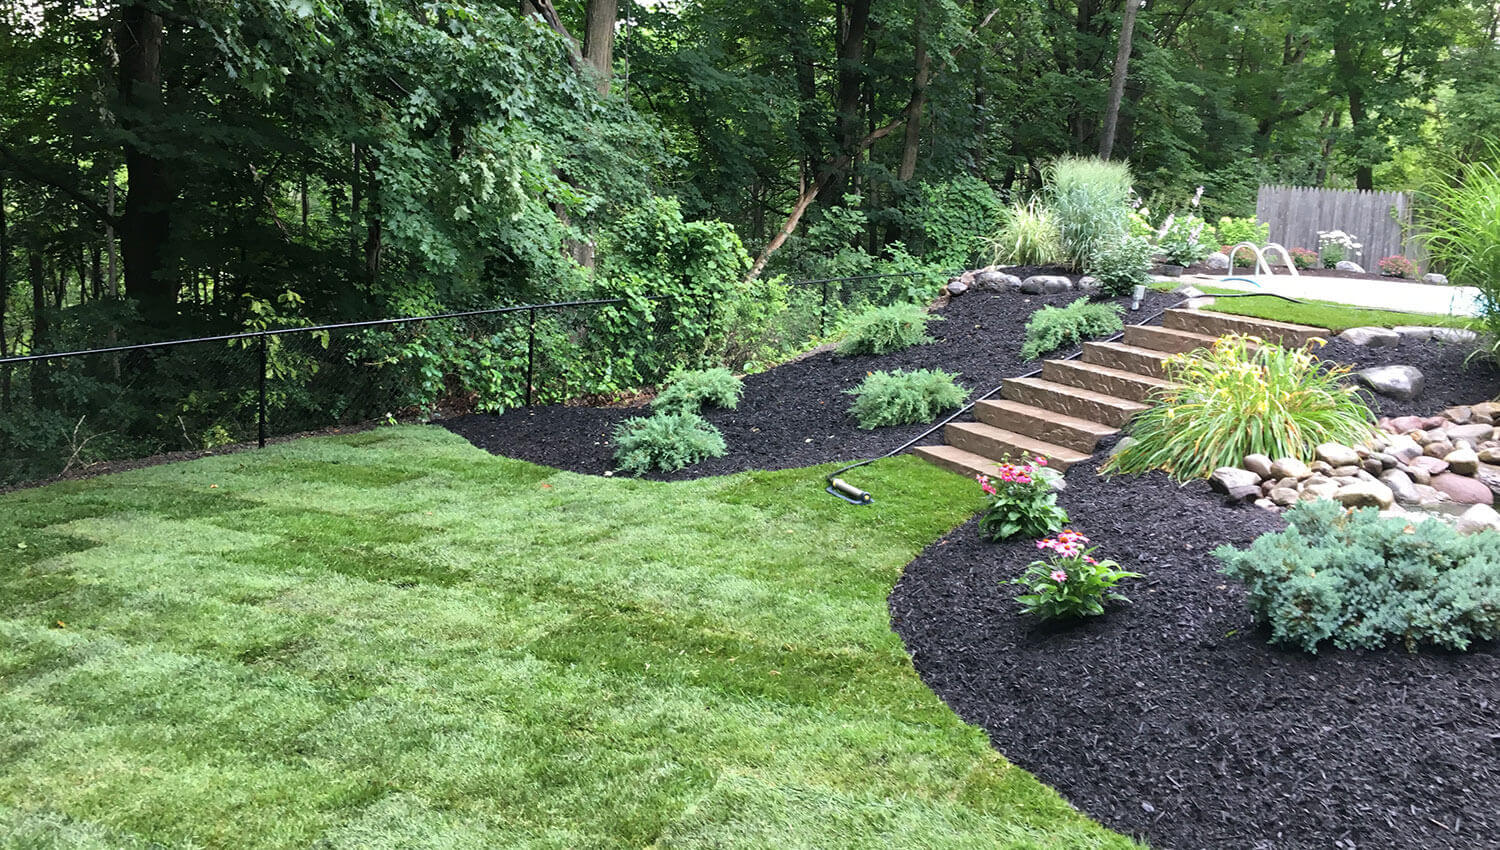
[(796, 414), (1455, 374), (1172, 719)]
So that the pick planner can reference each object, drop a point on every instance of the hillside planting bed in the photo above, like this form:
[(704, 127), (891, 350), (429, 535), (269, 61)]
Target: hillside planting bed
[(795, 414)]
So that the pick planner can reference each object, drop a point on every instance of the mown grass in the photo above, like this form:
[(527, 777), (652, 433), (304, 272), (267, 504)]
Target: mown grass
[(395, 640), (1335, 317)]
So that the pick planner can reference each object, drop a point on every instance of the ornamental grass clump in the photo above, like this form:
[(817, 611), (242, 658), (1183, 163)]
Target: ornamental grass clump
[(1022, 501), (1028, 236), (1361, 581), (665, 442), (1051, 328), (881, 330), (1238, 397), (1091, 199), (689, 392), (1071, 583), (904, 398)]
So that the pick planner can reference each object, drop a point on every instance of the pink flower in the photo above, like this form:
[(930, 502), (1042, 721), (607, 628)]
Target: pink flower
[(1059, 576)]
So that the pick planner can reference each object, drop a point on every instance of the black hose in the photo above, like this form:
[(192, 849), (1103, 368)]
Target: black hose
[(970, 406)]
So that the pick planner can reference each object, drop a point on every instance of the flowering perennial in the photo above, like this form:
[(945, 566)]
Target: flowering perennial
[(1021, 500), (1072, 583)]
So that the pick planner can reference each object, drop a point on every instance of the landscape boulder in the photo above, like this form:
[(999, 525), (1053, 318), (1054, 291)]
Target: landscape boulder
[(1365, 494), (1258, 464), (1401, 486), (1476, 519), (957, 288), (1462, 489), (1403, 383), (1228, 479), (1349, 266), (1462, 461), (1371, 337), (1337, 455), (1435, 279), (1218, 261)]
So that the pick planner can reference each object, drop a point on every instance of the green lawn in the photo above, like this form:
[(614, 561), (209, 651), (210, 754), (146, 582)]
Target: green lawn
[(393, 639), (1323, 314)]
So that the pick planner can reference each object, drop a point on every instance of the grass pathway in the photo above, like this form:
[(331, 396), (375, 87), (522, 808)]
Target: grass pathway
[(393, 639)]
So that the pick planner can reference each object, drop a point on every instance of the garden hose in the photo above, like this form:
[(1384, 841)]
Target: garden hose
[(852, 494)]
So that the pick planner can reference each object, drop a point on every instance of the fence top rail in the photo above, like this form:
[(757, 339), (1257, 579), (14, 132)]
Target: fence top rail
[(490, 311)]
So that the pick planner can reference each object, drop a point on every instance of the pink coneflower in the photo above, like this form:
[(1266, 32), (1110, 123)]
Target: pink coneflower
[(1059, 576)]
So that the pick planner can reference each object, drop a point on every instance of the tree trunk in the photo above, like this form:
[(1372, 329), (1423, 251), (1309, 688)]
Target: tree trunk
[(913, 137), (1117, 82), (1349, 77), (147, 221), (846, 125), (599, 40)]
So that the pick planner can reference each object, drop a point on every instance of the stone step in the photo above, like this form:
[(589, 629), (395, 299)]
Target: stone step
[(1067, 431), (1071, 401), (1119, 355), (956, 459), (1222, 324), (1103, 379), (999, 444), (1166, 340)]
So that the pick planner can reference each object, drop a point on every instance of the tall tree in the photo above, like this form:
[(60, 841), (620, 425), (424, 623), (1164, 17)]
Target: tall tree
[(1117, 80)]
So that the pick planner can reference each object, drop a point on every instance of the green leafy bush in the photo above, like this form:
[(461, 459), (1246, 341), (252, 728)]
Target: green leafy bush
[(951, 219), (1090, 198), (1363, 582), (903, 398), (666, 442), (1022, 501), (688, 392), (1242, 396), (1184, 239), (1233, 231), (881, 330), (1028, 236), (1122, 265), (1051, 328), (1072, 583)]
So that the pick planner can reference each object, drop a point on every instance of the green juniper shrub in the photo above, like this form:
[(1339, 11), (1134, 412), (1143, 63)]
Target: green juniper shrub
[(1051, 328), (904, 398), (881, 330), (688, 392), (1022, 501), (1071, 583), (1362, 581), (1242, 396), (1122, 264), (665, 442)]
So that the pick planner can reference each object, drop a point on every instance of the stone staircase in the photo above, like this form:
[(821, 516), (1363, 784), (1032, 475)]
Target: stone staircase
[(1063, 413)]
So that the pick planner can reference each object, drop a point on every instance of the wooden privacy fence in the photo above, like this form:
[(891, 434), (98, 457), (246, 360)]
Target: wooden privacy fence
[(1380, 221)]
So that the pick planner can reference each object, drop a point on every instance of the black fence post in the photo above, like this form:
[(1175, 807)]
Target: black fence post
[(530, 354), (261, 418), (823, 311)]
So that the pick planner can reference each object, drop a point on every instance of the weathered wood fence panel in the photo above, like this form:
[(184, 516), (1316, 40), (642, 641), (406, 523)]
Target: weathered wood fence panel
[(1381, 221)]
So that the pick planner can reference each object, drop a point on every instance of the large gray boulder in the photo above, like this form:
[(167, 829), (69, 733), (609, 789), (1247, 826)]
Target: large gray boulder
[(1365, 494), (1033, 285), (1218, 261), (1371, 337), (1349, 266), (1476, 519), (1399, 382)]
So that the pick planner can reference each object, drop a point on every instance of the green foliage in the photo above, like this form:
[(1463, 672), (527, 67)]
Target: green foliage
[(757, 325), (881, 330), (1122, 264), (1022, 501), (954, 218), (1028, 236), (665, 442), (1362, 581), (1232, 231), (904, 398), (688, 392), (1243, 396), (1071, 583), (1460, 222), (1184, 239), (1051, 328), (1090, 198)]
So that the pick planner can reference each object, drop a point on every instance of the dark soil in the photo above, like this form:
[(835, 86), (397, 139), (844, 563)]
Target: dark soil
[(1455, 374), (796, 414), (1172, 719)]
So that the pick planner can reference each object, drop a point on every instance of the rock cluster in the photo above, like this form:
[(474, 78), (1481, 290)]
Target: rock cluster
[(1379, 337), (993, 280), (1446, 465)]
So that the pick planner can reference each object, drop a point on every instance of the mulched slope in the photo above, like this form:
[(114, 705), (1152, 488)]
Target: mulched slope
[(1173, 720), (1455, 373), (795, 414)]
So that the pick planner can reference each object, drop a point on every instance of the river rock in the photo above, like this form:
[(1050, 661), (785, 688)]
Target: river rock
[(1337, 455), (1476, 434), (957, 288), (1318, 490), (1258, 464), (1462, 461), (1435, 279), (1428, 497), (1054, 284), (1459, 415), (1400, 485), (1463, 489), (1290, 467), (1404, 424), (1284, 496), (1227, 479), (1372, 465), (1476, 519), (1430, 465), (1371, 337), (1438, 448), (1365, 494), (1419, 476), (1403, 383), (1089, 285), (1033, 285), (1490, 455), (1403, 448)]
